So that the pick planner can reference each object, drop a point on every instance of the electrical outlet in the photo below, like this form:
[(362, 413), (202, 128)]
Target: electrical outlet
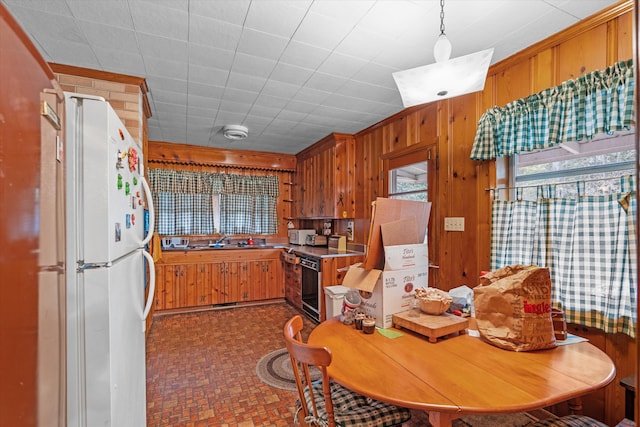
[(454, 223)]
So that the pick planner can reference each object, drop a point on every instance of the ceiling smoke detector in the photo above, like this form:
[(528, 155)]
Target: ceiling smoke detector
[(235, 132)]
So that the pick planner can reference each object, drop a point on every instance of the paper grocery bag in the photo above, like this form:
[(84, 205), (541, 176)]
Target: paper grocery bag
[(513, 308)]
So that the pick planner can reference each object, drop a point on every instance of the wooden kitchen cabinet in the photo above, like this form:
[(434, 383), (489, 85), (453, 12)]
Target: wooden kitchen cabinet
[(325, 178), (293, 282), (187, 279)]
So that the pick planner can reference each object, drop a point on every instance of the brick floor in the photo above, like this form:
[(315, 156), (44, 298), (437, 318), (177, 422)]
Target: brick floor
[(201, 369)]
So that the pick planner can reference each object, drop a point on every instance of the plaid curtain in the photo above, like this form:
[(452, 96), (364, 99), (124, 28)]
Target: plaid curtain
[(185, 202), (598, 102), (589, 245)]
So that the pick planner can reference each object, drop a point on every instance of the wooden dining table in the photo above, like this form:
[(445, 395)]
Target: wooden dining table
[(459, 375)]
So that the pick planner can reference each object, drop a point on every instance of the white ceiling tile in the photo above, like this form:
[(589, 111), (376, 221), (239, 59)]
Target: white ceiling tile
[(118, 61), (245, 82), (304, 55), (271, 101), (240, 95), (349, 10), (322, 31), (162, 83), (391, 17), (231, 11), (326, 82), (58, 7), (168, 97), (300, 106), (106, 36), (290, 73), (158, 19), (341, 65), (165, 68), (281, 89), (212, 57), (253, 65), (312, 96), (204, 114), (265, 45), (207, 90), (208, 76), (275, 17), (214, 33), (365, 44), (115, 13), (163, 48)]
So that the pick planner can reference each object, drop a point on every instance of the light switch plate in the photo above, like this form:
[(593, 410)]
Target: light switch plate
[(454, 223)]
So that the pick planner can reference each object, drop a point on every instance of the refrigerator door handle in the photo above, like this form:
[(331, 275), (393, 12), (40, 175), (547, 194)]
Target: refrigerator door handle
[(152, 213), (152, 287)]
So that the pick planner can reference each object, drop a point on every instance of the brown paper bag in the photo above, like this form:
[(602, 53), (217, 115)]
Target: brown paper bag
[(513, 308)]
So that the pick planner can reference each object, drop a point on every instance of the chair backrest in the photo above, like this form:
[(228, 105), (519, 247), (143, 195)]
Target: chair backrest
[(302, 357)]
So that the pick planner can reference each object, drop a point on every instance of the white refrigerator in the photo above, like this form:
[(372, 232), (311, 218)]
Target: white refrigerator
[(106, 307)]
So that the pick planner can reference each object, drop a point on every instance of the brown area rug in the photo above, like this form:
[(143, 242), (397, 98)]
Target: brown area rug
[(275, 370)]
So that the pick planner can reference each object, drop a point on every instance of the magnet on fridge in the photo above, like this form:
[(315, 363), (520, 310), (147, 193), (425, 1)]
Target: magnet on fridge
[(119, 182), (133, 219), (118, 232), (128, 221), (127, 188)]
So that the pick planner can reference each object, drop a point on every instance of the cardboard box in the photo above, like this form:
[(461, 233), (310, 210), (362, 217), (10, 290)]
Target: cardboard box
[(385, 293), (400, 257)]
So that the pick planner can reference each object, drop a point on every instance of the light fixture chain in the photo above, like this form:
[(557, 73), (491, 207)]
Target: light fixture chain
[(441, 17)]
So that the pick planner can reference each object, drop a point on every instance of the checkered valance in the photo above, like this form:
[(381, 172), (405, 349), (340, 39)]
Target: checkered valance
[(190, 182), (598, 102)]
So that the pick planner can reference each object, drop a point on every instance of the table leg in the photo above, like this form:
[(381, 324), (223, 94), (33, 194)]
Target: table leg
[(575, 406), (442, 419)]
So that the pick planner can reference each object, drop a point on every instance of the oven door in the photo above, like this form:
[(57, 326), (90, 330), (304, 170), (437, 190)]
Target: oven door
[(311, 292)]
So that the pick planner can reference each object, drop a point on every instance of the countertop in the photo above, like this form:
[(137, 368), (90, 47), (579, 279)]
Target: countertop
[(324, 252), (312, 251)]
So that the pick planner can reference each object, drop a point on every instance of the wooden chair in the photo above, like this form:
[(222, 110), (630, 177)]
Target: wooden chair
[(325, 402)]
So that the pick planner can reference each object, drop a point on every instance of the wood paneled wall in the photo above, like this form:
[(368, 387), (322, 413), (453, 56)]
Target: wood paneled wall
[(594, 43)]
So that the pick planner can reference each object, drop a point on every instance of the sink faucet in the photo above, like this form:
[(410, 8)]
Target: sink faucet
[(220, 240)]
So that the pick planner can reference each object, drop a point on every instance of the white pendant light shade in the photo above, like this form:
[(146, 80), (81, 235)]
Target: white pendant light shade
[(446, 78), (442, 49), (442, 80)]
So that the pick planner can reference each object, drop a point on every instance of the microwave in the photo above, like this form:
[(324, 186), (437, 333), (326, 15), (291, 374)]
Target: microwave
[(299, 236)]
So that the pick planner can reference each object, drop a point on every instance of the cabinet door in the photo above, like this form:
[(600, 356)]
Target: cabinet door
[(204, 283), (172, 282), (160, 290), (274, 283), (218, 291), (235, 281), (256, 283), (190, 297)]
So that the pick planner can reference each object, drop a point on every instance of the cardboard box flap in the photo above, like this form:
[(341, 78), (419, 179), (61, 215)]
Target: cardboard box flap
[(361, 279), (401, 232), (388, 210)]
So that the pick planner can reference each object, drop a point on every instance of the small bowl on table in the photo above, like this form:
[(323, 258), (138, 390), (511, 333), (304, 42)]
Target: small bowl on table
[(434, 307), (433, 301)]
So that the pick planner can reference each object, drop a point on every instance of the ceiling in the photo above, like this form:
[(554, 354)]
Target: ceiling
[(291, 71)]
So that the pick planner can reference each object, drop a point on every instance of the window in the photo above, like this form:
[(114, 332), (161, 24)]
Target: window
[(598, 164), (409, 182), (201, 203)]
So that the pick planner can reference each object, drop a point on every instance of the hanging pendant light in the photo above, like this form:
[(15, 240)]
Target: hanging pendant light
[(446, 78)]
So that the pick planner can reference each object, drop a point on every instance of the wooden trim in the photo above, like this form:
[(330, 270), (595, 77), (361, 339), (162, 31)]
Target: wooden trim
[(600, 18), (107, 76), (171, 153)]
